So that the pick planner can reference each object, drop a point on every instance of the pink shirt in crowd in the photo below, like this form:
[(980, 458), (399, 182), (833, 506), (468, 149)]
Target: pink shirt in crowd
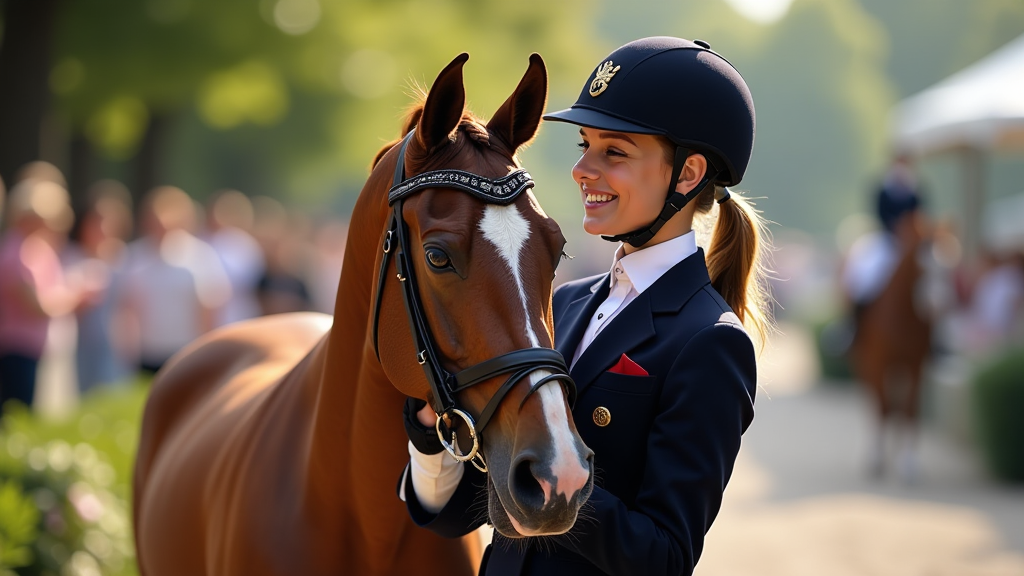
[(27, 265)]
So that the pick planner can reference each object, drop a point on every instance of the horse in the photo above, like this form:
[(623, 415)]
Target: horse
[(273, 446), (891, 344)]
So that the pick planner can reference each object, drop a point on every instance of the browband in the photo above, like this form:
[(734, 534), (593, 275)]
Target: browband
[(501, 191)]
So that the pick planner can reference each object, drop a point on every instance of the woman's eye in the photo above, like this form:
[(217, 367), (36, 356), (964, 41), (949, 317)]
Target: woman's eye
[(583, 146), (437, 258), (614, 152)]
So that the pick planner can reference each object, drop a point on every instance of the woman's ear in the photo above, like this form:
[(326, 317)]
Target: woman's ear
[(694, 168)]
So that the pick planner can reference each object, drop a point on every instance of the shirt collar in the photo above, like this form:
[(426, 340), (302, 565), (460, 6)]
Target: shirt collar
[(645, 266)]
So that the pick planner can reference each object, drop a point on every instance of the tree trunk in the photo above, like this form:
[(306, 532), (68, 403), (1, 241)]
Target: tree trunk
[(81, 174), (24, 80), (149, 158)]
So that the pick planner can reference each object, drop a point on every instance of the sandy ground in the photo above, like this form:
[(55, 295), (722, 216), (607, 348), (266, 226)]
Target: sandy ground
[(802, 503)]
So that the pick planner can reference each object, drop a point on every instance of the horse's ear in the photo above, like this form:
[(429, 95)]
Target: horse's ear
[(517, 120), (444, 106)]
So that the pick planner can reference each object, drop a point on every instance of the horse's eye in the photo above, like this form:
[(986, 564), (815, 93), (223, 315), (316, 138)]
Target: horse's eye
[(437, 258)]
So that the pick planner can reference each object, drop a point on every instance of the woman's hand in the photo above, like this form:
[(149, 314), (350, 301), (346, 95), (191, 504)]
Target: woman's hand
[(426, 416)]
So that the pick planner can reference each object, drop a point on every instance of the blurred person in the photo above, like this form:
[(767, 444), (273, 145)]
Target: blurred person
[(872, 258), (175, 284), (33, 287), (230, 219), (281, 288), (98, 258), (997, 302), (41, 171)]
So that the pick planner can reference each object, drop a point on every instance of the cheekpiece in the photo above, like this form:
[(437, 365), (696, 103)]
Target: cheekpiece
[(500, 191)]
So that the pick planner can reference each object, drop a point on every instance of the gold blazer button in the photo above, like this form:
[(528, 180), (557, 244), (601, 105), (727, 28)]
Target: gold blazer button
[(602, 417)]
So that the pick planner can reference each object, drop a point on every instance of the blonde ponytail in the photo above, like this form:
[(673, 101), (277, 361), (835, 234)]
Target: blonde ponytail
[(737, 257), (737, 261)]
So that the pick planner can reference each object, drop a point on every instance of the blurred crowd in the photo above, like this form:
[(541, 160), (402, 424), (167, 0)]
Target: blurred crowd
[(137, 283)]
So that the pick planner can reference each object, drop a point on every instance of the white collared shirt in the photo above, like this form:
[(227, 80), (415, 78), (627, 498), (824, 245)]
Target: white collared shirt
[(630, 275)]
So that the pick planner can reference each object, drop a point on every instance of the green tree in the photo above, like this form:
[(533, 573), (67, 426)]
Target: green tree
[(283, 96)]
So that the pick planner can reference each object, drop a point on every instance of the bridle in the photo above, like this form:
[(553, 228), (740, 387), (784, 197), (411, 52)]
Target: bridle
[(444, 385)]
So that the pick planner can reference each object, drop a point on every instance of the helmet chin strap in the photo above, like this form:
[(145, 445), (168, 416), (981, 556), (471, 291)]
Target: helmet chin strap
[(675, 202)]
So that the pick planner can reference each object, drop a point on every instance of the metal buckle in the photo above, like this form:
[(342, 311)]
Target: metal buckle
[(387, 242), (422, 357), (473, 457)]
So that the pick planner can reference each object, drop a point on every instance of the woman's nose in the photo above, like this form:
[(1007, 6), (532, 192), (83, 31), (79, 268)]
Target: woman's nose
[(583, 170)]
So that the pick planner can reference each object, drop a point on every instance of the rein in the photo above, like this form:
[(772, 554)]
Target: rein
[(444, 385)]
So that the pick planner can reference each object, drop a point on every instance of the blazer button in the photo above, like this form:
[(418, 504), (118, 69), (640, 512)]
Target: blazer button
[(602, 416)]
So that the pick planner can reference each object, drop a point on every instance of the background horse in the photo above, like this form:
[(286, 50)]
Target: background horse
[(892, 341), (273, 447)]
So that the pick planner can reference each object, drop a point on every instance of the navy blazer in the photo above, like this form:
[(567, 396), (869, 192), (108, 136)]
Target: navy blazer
[(664, 459)]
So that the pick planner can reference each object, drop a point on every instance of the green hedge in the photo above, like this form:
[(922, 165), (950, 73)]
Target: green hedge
[(75, 474), (997, 399), (833, 339)]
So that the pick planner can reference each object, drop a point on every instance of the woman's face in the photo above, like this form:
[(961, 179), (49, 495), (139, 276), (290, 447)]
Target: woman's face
[(623, 179)]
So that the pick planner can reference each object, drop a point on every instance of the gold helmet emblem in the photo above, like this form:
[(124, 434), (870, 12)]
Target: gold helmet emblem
[(602, 77)]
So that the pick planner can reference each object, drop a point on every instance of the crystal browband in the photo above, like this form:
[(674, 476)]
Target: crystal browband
[(502, 191)]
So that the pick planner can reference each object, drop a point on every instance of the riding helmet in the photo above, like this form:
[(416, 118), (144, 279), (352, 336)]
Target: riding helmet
[(676, 88)]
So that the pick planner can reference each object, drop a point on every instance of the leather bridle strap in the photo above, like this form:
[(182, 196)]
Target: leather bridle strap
[(522, 363), (443, 384)]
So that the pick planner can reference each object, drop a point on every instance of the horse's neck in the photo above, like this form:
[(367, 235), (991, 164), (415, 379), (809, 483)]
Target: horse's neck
[(358, 440)]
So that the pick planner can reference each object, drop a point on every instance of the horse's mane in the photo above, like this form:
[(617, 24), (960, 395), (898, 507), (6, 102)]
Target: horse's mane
[(471, 125)]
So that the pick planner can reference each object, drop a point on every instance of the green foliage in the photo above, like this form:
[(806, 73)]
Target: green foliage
[(931, 39), (76, 475), (18, 520), (289, 97), (996, 398)]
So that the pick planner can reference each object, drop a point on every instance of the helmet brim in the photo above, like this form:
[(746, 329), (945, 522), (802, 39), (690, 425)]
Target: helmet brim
[(599, 120)]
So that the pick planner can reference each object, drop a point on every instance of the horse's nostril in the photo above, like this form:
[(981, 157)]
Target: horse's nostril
[(525, 488)]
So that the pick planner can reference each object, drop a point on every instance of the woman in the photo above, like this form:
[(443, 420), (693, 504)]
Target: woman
[(33, 288), (664, 367)]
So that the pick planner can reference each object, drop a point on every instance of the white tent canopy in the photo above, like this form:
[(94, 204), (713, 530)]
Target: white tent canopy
[(980, 107)]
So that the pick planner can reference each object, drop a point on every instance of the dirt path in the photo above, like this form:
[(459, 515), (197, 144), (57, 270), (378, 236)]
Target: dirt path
[(801, 502)]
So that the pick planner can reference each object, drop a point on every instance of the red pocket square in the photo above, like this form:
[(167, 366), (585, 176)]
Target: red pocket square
[(626, 366)]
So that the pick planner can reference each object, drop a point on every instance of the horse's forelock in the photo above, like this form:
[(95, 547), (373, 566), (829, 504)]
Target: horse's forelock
[(470, 125)]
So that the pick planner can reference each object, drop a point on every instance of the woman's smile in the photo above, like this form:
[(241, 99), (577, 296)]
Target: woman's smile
[(593, 199)]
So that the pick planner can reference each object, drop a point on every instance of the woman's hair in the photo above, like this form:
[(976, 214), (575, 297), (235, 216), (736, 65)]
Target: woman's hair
[(737, 256)]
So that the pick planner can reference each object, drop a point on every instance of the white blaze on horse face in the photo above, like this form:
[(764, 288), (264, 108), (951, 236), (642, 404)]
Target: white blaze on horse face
[(567, 467), (506, 228)]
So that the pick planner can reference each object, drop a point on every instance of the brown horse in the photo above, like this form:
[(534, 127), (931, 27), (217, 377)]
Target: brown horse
[(274, 446), (892, 342)]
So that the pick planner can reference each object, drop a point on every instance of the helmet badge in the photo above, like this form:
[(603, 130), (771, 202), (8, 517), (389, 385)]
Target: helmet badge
[(602, 77)]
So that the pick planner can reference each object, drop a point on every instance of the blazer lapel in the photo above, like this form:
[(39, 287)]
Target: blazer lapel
[(576, 318), (629, 329), (635, 324)]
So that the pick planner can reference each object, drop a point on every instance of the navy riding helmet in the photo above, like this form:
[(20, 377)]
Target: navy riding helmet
[(678, 89)]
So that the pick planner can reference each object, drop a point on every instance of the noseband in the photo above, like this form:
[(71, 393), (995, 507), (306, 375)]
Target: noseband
[(444, 385)]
